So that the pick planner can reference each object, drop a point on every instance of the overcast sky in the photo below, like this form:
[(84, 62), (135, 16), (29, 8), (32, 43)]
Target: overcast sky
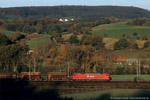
[(18, 3)]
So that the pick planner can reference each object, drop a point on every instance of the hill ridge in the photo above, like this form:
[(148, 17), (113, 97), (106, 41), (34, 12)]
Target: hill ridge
[(76, 11)]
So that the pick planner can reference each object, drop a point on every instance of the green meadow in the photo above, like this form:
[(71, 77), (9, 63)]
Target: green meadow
[(119, 29), (113, 94), (8, 33), (130, 77), (40, 40)]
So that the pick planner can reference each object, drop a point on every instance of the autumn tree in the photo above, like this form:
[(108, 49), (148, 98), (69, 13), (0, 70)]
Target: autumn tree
[(85, 60), (93, 40), (97, 41), (47, 57), (74, 56), (145, 37), (16, 36), (86, 39), (132, 45)]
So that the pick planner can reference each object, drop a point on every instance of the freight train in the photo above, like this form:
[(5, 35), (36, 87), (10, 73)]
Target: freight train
[(55, 76)]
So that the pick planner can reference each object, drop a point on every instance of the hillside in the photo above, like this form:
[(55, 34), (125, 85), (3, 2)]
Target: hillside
[(120, 29), (76, 11)]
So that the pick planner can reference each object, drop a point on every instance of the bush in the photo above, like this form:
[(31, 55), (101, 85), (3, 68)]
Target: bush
[(135, 34), (120, 70), (121, 44), (4, 40), (73, 39), (147, 44), (137, 78)]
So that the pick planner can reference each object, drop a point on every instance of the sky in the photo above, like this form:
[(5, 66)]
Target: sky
[(19, 3)]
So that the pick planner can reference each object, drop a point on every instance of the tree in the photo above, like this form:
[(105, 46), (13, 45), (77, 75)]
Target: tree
[(18, 54), (16, 36), (120, 70), (11, 57), (105, 35), (29, 29), (4, 40), (86, 63), (54, 33), (93, 40), (147, 44), (145, 37), (123, 35), (86, 40), (121, 44), (36, 57), (11, 27), (73, 39), (59, 29), (132, 45), (97, 42), (135, 34)]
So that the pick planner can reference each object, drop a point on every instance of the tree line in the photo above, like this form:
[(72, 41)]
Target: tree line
[(52, 26), (139, 22), (76, 11)]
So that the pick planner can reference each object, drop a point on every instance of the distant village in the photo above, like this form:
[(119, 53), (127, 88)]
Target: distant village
[(65, 20)]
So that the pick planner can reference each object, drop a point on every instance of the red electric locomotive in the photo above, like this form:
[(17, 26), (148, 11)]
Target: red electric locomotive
[(91, 76)]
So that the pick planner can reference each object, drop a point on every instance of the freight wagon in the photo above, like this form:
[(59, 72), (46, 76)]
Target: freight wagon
[(31, 75), (57, 76), (8, 75)]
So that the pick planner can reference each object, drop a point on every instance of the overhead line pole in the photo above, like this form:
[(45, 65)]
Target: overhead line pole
[(137, 69)]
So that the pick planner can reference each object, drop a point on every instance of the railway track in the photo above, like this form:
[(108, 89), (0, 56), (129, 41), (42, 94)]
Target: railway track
[(79, 86)]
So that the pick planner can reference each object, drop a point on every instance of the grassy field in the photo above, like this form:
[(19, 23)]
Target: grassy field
[(129, 77), (109, 42), (9, 17), (120, 28), (8, 33), (109, 94), (38, 41), (67, 36)]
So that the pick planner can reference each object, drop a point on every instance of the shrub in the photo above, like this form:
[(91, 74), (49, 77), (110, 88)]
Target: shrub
[(135, 34), (120, 70), (121, 44), (73, 39), (147, 44)]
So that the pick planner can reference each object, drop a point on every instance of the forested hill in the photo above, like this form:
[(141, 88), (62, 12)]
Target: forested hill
[(76, 11)]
